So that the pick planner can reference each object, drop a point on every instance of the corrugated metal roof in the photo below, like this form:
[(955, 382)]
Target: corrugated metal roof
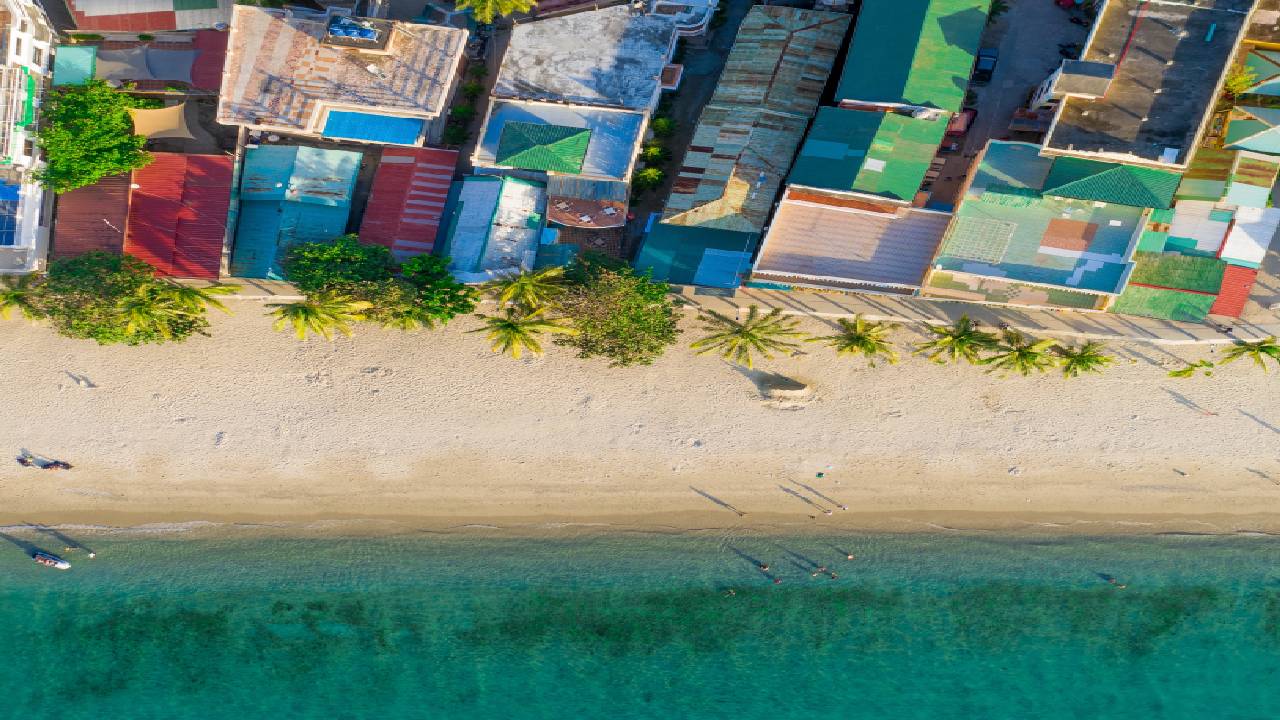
[(1237, 284), (865, 151), (916, 52), (407, 199), (206, 71), (92, 218), (816, 242), (1109, 182), (148, 15), (177, 220)]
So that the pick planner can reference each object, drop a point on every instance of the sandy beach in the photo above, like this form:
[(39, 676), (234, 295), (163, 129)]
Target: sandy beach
[(432, 430)]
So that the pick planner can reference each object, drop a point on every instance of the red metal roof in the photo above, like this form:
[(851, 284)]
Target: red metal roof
[(125, 22), (206, 71), (178, 217), (92, 218), (1237, 283), (407, 199)]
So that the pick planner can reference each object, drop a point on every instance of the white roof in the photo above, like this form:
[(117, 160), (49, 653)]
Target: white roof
[(1251, 235)]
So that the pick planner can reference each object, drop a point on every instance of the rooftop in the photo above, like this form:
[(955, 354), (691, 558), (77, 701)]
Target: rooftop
[(914, 52), (92, 217), (1253, 128), (580, 202), (1111, 183), (1169, 58), (1006, 228), (496, 227), (594, 142), (282, 74), (871, 152), (1264, 24), (407, 200), (148, 15), (812, 243), (609, 57), (748, 132), (178, 214), (1231, 176)]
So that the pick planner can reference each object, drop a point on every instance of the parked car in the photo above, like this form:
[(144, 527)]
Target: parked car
[(985, 66), (960, 122)]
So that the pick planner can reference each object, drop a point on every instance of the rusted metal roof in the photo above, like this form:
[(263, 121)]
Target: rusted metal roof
[(407, 199), (178, 216), (92, 218)]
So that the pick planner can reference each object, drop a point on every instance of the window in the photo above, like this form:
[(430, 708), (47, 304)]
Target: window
[(37, 57)]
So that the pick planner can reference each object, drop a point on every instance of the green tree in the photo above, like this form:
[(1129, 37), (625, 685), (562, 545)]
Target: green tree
[(648, 178), (654, 153), (1015, 351), (436, 289), (86, 134), (455, 135), (620, 315), (1258, 351), (318, 266), (737, 341), (961, 340), (472, 90), (486, 10), (321, 314), (1190, 369), (663, 127), (1239, 79), (113, 298), (195, 299), (20, 294), (530, 289), (462, 113), (862, 337), (996, 9), (514, 331), (1088, 358)]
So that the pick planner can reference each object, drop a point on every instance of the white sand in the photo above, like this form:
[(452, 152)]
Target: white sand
[(432, 429)]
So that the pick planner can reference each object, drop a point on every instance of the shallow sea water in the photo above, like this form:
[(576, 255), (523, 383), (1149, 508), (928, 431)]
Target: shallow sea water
[(632, 625)]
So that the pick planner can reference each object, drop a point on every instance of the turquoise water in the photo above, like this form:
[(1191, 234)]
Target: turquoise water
[(641, 626)]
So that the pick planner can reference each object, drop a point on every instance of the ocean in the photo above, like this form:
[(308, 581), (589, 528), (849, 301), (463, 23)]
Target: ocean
[(574, 624)]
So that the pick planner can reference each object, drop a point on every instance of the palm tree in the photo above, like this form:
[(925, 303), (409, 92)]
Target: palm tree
[(1088, 358), (515, 331), (961, 340), (1191, 369), (1016, 351), (320, 314), (486, 10), (737, 340), (196, 299), (151, 309), (1257, 351), (531, 289), (408, 316), (862, 337), (19, 295)]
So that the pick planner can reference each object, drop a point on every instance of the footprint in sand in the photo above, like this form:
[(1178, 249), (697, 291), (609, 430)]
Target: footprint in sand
[(219, 438)]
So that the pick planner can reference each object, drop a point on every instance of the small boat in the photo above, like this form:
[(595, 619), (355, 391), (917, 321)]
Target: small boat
[(51, 560)]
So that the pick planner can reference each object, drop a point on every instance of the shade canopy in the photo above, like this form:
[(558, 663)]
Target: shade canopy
[(167, 122)]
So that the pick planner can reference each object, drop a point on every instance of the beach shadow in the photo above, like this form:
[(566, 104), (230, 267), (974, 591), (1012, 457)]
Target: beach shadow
[(29, 548), (775, 386), (68, 544), (756, 564), (804, 563), (1259, 420), (717, 501), (819, 494), (1187, 402), (81, 380), (804, 499), (1264, 475)]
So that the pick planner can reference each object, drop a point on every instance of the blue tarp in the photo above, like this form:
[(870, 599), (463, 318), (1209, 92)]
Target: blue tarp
[(373, 128), (74, 64)]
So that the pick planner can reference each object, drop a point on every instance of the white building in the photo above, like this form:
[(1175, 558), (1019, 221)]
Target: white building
[(26, 37)]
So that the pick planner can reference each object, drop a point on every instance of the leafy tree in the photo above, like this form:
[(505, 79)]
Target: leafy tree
[(321, 314), (515, 331), (654, 153), (486, 10), (463, 113), (530, 289), (436, 289), (736, 341), (663, 127), (317, 266), (1191, 368), (1088, 358), (620, 315), (113, 298), (455, 135), (648, 178), (862, 337), (478, 70), (1020, 353), (472, 90), (21, 295), (1239, 79), (997, 8), (1258, 351), (86, 135), (961, 340)]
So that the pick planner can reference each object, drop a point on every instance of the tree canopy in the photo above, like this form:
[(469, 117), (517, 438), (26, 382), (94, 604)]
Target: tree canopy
[(87, 134), (620, 315), (486, 10)]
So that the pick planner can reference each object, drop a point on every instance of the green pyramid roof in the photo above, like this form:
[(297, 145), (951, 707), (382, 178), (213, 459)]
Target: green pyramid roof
[(1110, 182), (536, 146)]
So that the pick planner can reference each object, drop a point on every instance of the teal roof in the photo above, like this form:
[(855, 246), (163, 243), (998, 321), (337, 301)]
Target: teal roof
[(538, 146), (74, 64), (1254, 128), (1265, 66), (917, 52), (689, 255), (1111, 182), (871, 152)]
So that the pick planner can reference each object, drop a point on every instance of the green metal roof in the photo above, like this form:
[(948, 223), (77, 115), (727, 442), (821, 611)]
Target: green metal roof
[(872, 152), (535, 146), (917, 52), (1178, 272), (1109, 182), (1163, 304), (1254, 128)]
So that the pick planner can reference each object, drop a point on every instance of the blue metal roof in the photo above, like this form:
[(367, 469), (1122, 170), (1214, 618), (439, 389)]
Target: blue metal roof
[(373, 128)]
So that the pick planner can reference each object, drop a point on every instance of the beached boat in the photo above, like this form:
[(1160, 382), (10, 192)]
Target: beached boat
[(50, 560)]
